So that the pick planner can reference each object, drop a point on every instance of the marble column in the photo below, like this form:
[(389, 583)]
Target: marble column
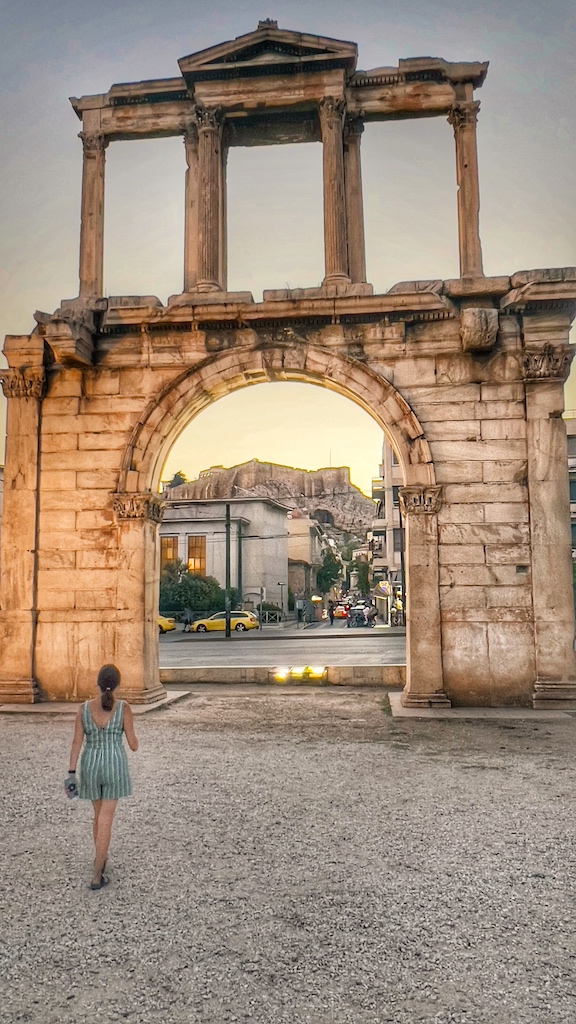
[(424, 676), (223, 217), (92, 215), (353, 128), (335, 241), (209, 200), (23, 386), (138, 516), (191, 209), (463, 118), (545, 371)]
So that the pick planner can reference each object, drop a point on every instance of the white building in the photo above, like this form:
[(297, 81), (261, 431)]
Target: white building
[(385, 539), (195, 532), (304, 553)]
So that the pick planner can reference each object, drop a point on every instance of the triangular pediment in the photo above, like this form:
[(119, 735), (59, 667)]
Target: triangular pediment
[(267, 46)]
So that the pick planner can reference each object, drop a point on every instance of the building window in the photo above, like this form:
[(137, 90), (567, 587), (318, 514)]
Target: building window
[(168, 550), (394, 459), (398, 539), (395, 498), (572, 491), (197, 555), (574, 536)]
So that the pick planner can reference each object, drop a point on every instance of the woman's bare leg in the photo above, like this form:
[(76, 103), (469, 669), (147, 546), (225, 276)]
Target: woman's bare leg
[(96, 804), (103, 833)]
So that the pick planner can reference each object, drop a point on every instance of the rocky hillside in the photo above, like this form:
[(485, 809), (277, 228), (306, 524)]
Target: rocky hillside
[(326, 494)]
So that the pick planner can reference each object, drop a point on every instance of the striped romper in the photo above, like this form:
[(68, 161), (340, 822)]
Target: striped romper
[(104, 765)]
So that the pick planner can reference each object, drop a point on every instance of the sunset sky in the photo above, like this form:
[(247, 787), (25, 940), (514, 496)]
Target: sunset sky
[(73, 47)]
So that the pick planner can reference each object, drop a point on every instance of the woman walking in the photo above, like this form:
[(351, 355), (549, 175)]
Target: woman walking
[(104, 777)]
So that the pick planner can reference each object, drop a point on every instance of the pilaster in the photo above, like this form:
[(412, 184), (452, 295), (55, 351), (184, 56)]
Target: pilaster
[(92, 215), (353, 128), (335, 241), (191, 209), (209, 200), (424, 676), (23, 385), (463, 118)]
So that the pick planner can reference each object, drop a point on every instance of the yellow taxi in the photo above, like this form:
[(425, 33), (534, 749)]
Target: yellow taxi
[(239, 621), (165, 625)]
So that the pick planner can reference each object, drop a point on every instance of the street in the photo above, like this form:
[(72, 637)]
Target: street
[(319, 644)]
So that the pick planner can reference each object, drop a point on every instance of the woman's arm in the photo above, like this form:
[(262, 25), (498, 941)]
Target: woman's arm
[(129, 728), (77, 741)]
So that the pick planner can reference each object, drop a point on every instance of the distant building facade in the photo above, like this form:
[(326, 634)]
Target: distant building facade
[(304, 553), (195, 532), (385, 538)]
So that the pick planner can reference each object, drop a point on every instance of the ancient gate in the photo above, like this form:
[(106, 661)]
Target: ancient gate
[(466, 377)]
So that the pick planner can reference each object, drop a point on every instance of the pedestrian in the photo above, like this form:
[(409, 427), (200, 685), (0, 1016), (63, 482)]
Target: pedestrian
[(331, 612), (187, 620), (104, 777)]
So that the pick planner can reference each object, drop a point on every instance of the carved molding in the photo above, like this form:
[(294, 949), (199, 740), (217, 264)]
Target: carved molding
[(478, 328), (551, 362), (353, 125), (93, 143), (26, 382), (331, 111), (208, 120), (420, 499), (464, 115), (134, 505)]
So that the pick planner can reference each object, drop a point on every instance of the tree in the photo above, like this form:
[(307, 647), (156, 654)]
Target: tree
[(329, 572), (180, 589), (178, 478), (360, 566)]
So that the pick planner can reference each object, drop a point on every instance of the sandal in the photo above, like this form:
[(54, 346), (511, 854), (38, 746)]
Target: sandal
[(99, 885)]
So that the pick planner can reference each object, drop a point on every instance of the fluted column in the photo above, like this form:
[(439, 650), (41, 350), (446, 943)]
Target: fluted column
[(191, 209), (424, 673), (353, 128), (23, 386), (223, 276), (335, 241), (463, 119), (209, 199), (92, 215)]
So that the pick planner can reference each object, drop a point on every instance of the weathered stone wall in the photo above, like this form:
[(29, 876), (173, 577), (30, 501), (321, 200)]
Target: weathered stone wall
[(470, 397)]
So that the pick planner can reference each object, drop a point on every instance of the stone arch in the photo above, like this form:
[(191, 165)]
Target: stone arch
[(198, 386)]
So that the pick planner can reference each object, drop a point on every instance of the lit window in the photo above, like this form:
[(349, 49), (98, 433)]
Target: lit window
[(197, 555), (168, 550)]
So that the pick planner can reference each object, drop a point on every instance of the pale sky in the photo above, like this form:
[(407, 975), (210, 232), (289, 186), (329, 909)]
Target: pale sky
[(74, 47)]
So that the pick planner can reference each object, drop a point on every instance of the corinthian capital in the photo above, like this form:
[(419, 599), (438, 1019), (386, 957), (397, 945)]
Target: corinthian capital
[(331, 111), (93, 142), (420, 499), (550, 362), (135, 505), (464, 114), (208, 120), (27, 382), (353, 125)]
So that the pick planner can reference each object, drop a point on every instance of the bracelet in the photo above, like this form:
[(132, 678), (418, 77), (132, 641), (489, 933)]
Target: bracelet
[(71, 771)]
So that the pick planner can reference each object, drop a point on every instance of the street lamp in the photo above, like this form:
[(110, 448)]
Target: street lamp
[(281, 585)]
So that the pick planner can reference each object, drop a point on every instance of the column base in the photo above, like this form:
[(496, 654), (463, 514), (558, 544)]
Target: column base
[(424, 700), (151, 695), (560, 695), (19, 691)]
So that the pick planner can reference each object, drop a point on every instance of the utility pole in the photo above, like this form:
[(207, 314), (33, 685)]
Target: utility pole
[(240, 584), (227, 591)]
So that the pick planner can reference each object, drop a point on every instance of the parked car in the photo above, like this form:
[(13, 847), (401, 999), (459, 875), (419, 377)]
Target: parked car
[(165, 624), (239, 621), (340, 611)]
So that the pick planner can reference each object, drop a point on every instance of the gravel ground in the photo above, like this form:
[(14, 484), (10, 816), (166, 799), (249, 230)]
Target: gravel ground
[(295, 857)]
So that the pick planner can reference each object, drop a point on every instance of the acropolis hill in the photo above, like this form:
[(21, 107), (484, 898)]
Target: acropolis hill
[(326, 489)]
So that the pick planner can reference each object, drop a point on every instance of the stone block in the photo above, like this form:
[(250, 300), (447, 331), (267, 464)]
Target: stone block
[(505, 392), (55, 600), (56, 406), (98, 559), (502, 470), (479, 451), (114, 441), (95, 520), (95, 599), (64, 383), (453, 430), (428, 412), (80, 501), (408, 370), (462, 597), (482, 576), (458, 472), (503, 430), (506, 512), (466, 663), (467, 513), (484, 492), (56, 558), (62, 521), (485, 533), (58, 443), (77, 579), (81, 460), (456, 554), (499, 410), (512, 663), (101, 479), (58, 480), (441, 394), (513, 554), (105, 404), (509, 597), (102, 382)]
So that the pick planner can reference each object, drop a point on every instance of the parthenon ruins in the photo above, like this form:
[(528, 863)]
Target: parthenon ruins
[(465, 376)]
